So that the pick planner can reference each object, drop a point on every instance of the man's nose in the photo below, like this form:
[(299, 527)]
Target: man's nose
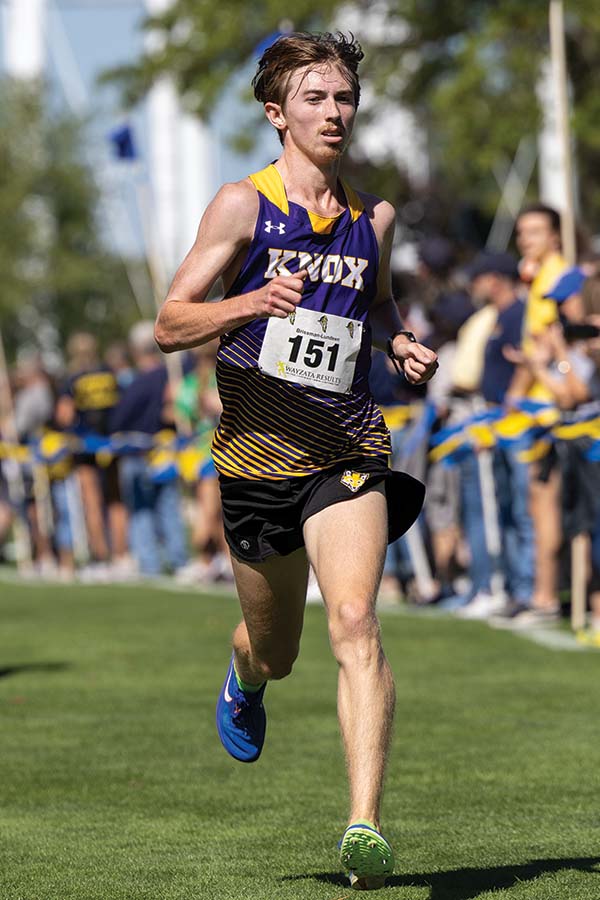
[(332, 110)]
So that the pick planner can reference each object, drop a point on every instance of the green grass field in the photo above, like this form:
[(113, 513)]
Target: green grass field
[(114, 786)]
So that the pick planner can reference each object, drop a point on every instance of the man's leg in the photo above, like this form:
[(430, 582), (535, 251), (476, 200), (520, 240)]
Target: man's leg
[(521, 536), (93, 507), (272, 596), (346, 546), (545, 511), (265, 644)]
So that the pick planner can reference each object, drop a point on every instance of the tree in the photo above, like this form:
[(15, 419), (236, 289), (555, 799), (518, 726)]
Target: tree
[(56, 276), (469, 69)]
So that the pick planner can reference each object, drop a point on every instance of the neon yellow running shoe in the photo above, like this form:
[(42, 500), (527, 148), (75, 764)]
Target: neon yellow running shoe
[(366, 856), (589, 637)]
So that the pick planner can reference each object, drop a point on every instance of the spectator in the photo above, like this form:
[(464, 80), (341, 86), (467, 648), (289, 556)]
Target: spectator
[(567, 364), (398, 401), (34, 399), (464, 489), (494, 280), (116, 357), (156, 524), (6, 513), (437, 260), (590, 301), (84, 406), (198, 403), (538, 239), (443, 512), (33, 406)]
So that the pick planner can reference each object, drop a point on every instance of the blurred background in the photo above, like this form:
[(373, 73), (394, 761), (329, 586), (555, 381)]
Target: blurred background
[(120, 118), (119, 121)]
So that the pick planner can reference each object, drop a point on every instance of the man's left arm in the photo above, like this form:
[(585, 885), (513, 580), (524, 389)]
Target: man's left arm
[(418, 363)]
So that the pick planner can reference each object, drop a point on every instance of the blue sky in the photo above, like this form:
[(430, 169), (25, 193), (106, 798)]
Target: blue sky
[(86, 37), (104, 33)]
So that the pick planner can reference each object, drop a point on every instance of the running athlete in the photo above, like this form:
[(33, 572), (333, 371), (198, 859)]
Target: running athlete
[(301, 448)]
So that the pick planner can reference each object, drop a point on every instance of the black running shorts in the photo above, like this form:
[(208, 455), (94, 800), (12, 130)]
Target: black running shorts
[(265, 518)]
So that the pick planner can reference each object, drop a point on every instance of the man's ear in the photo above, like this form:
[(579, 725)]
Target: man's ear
[(274, 114)]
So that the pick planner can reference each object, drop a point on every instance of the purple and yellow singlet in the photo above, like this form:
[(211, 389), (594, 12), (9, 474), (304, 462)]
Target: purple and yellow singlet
[(273, 427)]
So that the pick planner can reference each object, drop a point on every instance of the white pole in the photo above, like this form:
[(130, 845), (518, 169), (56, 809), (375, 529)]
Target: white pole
[(559, 73), (76, 94), (489, 505), (163, 164), (196, 173), (418, 557), (81, 550), (181, 162), (24, 50)]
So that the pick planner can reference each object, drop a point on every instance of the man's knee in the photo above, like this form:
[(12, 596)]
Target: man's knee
[(276, 665), (353, 627)]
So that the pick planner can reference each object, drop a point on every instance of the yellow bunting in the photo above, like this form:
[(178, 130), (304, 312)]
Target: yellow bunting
[(398, 416), (482, 436)]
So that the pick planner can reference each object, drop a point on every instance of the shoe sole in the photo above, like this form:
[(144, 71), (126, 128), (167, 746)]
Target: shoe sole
[(367, 858)]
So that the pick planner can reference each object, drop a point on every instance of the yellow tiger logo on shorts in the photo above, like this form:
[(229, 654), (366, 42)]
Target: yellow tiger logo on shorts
[(354, 480)]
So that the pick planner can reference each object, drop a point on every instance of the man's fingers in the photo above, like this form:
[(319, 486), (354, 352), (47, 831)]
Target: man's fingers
[(283, 310), (288, 287), (289, 295), (418, 372), (423, 355)]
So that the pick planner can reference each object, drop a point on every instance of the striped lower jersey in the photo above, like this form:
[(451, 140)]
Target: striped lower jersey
[(271, 428)]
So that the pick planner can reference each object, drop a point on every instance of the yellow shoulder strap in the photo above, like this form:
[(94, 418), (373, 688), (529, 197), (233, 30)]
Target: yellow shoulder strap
[(270, 183), (355, 204)]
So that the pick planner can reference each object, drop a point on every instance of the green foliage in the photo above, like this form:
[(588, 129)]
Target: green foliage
[(203, 44), (56, 275), (467, 68)]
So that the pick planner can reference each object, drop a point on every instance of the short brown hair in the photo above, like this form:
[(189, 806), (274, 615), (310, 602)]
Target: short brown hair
[(542, 209), (299, 49)]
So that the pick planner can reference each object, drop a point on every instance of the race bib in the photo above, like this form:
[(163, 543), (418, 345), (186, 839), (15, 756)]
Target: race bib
[(312, 348)]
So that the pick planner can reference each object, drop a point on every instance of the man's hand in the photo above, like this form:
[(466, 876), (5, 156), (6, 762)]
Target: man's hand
[(280, 296), (418, 363)]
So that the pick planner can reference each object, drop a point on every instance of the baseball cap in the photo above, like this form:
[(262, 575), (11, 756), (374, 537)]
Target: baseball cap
[(437, 253), (569, 283), (504, 264)]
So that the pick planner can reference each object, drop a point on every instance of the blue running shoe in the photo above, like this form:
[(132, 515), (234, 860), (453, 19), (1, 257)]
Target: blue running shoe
[(241, 719)]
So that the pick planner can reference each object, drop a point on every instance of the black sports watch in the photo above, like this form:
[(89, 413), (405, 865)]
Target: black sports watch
[(390, 348)]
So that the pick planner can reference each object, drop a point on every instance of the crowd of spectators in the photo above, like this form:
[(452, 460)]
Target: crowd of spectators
[(492, 541), (514, 334), (105, 509)]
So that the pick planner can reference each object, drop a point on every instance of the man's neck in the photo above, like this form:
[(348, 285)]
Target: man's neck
[(314, 187), (503, 300), (147, 363), (552, 254)]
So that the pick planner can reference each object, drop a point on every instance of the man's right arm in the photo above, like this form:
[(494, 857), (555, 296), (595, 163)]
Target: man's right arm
[(224, 236)]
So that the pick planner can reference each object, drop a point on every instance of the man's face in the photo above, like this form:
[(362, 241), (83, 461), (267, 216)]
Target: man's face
[(535, 238), (573, 309), (318, 112), (482, 288)]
